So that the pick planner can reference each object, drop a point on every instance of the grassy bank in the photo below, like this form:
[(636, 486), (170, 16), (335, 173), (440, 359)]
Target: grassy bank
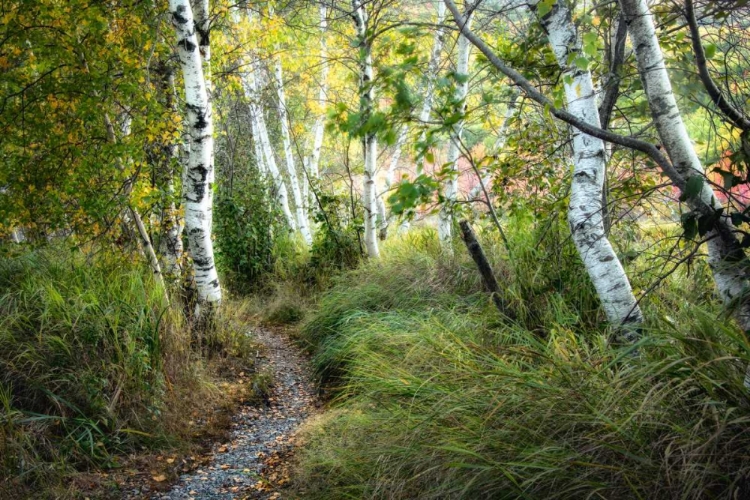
[(94, 365), (436, 395)]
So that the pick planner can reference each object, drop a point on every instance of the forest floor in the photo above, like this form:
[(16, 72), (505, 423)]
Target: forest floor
[(253, 462)]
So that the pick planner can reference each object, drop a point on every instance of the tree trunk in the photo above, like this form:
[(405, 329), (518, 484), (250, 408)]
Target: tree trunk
[(728, 263), (369, 141), (263, 150), (269, 160), (483, 266), (170, 243), (199, 174), (585, 207), (319, 129), (302, 221), (432, 70), (450, 186)]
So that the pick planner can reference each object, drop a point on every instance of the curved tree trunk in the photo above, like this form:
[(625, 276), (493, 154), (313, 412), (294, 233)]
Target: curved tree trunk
[(728, 263), (302, 221), (199, 174), (263, 150), (269, 160), (585, 207)]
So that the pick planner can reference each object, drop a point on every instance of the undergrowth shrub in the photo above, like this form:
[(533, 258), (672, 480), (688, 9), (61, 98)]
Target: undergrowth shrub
[(337, 244), (436, 395), (247, 225)]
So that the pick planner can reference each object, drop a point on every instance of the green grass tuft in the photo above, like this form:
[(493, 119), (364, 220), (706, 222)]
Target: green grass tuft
[(438, 396)]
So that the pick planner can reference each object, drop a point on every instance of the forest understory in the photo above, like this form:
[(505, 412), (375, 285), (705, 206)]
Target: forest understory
[(382, 249)]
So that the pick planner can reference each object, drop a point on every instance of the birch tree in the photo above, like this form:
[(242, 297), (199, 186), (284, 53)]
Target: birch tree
[(170, 243), (262, 143), (320, 122), (585, 210), (450, 186), (303, 222), (428, 89), (202, 21), (269, 159), (199, 172), (369, 140), (726, 259)]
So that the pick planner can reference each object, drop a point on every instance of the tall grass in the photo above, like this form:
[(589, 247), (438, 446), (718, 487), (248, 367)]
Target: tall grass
[(89, 356), (437, 396)]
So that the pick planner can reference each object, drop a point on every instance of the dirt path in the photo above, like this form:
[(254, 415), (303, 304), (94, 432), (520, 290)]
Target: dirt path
[(259, 436)]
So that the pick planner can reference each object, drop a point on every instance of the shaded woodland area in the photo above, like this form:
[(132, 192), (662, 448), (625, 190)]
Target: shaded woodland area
[(374, 249)]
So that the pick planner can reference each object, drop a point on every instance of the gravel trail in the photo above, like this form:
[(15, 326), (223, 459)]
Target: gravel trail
[(236, 470)]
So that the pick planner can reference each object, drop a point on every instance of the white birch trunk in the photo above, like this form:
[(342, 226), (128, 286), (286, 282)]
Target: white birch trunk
[(730, 277), (432, 70), (148, 250), (257, 148), (199, 174), (585, 207), (429, 87), (319, 130), (201, 16), (302, 221), (263, 149), (384, 218), (450, 186), (269, 160), (369, 141)]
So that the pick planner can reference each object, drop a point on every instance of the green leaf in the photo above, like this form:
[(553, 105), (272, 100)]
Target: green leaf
[(689, 225), (582, 63), (710, 50), (544, 7), (693, 187)]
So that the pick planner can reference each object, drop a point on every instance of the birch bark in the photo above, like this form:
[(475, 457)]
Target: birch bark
[(369, 141), (250, 84), (450, 186), (432, 71), (302, 221), (728, 263), (590, 160), (202, 22), (314, 165), (263, 149), (170, 244), (199, 173)]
